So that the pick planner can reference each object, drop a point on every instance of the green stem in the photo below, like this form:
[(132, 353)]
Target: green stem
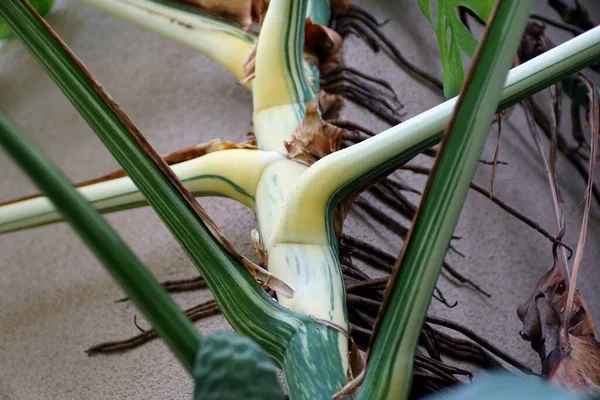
[(312, 364), (390, 365), (242, 301), (346, 170), (137, 282)]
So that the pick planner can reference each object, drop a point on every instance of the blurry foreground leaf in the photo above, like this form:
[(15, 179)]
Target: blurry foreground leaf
[(504, 386), (230, 366)]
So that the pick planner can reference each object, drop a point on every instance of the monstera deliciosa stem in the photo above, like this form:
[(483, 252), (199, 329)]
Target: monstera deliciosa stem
[(310, 266), (313, 354), (224, 42), (246, 305), (396, 334), (293, 202), (134, 278)]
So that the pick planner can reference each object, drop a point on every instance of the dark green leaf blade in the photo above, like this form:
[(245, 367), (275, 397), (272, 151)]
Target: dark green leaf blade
[(230, 366)]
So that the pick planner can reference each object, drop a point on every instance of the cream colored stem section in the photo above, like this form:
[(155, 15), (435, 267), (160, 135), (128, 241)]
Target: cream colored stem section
[(225, 43), (281, 85), (230, 173), (327, 176), (311, 268), (280, 77)]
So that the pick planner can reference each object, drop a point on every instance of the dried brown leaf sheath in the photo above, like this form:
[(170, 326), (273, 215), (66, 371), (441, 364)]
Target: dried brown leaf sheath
[(314, 138), (319, 41), (578, 369), (242, 12)]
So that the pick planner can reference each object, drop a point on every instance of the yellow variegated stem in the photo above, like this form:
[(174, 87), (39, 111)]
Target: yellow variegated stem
[(281, 85), (225, 43), (230, 173), (328, 179), (280, 75)]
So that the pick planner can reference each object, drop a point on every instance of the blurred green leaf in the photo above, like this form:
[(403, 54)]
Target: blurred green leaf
[(230, 366), (43, 7), (454, 39), (137, 282), (502, 386)]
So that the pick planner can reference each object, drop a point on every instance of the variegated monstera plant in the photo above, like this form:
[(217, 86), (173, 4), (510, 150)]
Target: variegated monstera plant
[(333, 331)]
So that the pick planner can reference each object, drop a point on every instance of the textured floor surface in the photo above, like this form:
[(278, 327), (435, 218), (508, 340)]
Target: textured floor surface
[(56, 300)]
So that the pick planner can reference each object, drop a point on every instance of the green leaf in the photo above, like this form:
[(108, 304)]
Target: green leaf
[(43, 7), (501, 386), (454, 39), (389, 371), (139, 284), (230, 366)]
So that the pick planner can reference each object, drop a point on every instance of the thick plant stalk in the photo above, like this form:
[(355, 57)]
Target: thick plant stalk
[(281, 87), (419, 264), (139, 284), (229, 173), (248, 308), (281, 91), (349, 168), (225, 43)]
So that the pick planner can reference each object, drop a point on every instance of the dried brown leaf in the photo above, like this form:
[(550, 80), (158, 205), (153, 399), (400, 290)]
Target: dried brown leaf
[(578, 369), (249, 67), (321, 41), (314, 138), (330, 105), (339, 6), (542, 316), (242, 12), (262, 253), (357, 361)]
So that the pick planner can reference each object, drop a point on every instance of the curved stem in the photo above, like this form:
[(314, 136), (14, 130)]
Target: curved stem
[(396, 332), (225, 43), (347, 169), (245, 304), (229, 173), (139, 284), (281, 86)]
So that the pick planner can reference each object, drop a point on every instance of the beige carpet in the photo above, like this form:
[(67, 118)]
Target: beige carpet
[(56, 300)]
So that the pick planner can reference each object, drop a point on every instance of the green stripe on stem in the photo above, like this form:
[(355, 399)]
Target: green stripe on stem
[(390, 366), (243, 302)]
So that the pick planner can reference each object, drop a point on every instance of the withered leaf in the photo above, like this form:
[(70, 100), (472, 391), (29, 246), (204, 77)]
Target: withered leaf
[(314, 138), (249, 67), (242, 12), (576, 366), (321, 41), (262, 254)]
